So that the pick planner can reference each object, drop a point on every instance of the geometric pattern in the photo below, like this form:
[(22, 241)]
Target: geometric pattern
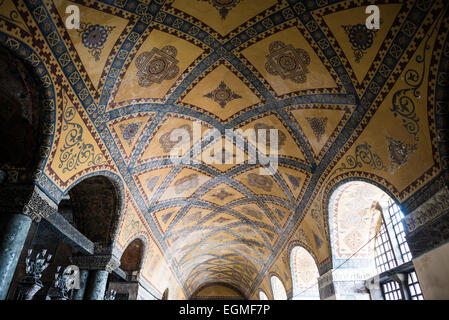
[(206, 224)]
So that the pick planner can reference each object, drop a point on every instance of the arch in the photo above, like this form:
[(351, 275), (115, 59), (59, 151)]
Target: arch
[(298, 243), (355, 209), (278, 288), (217, 290), (27, 123), (96, 208), (262, 295), (343, 179), (132, 258), (305, 274)]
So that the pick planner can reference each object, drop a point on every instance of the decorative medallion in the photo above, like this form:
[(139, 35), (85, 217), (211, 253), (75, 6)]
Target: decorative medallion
[(295, 181), (94, 37), (399, 152), (253, 213), (187, 183), (353, 240), (151, 183), (222, 95), (281, 135), (222, 194), (287, 62), (361, 39), (129, 131), (223, 6), (166, 216), (157, 65), (258, 181), (318, 126), (168, 144)]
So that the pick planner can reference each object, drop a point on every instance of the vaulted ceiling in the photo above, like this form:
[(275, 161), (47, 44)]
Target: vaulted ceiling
[(347, 101)]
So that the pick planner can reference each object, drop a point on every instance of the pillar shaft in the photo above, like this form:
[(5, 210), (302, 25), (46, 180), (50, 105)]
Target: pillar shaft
[(14, 229), (96, 285), (79, 294)]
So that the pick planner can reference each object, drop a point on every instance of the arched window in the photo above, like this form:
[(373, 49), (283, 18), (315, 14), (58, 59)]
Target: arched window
[(278, 289), (262, 295), (132, 258), (304, 275), (367, 241)]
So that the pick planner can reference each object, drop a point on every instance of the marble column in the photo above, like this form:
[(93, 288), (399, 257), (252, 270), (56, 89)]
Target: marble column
[(13, 233), (99, 267), (96, 285), (19, 207), (79, 293)]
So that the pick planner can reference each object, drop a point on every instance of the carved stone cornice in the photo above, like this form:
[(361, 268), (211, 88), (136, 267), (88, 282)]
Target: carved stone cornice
[(28, 200), (436, 206), (97, 262)]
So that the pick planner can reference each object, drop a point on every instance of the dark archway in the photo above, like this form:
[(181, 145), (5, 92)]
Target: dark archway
[(95, 205), (20, 118), (217, 291), (132, 258)]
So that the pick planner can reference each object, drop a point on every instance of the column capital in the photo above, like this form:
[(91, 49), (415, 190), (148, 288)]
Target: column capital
[(97, 262), (28, 200)]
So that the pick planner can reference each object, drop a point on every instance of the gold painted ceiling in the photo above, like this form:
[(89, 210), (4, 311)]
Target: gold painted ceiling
[(349, 103)]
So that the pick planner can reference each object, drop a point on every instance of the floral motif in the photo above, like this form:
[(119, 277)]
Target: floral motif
[(361, 39), (318, 126), (151, 183), (129, 131), (287, 62), (399, 152), (403, 99), (295, 181), (222, 194), (157, 65), (223, 6), (166, 216), (363, 155), (353, 240), (186, 183), (94, 37), (74, 151), (168, 144), (222, 95), (253, 213), (259, 181)]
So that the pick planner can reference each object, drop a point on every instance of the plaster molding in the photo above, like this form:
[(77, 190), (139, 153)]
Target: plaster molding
[(28, 200), (436, 206)]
